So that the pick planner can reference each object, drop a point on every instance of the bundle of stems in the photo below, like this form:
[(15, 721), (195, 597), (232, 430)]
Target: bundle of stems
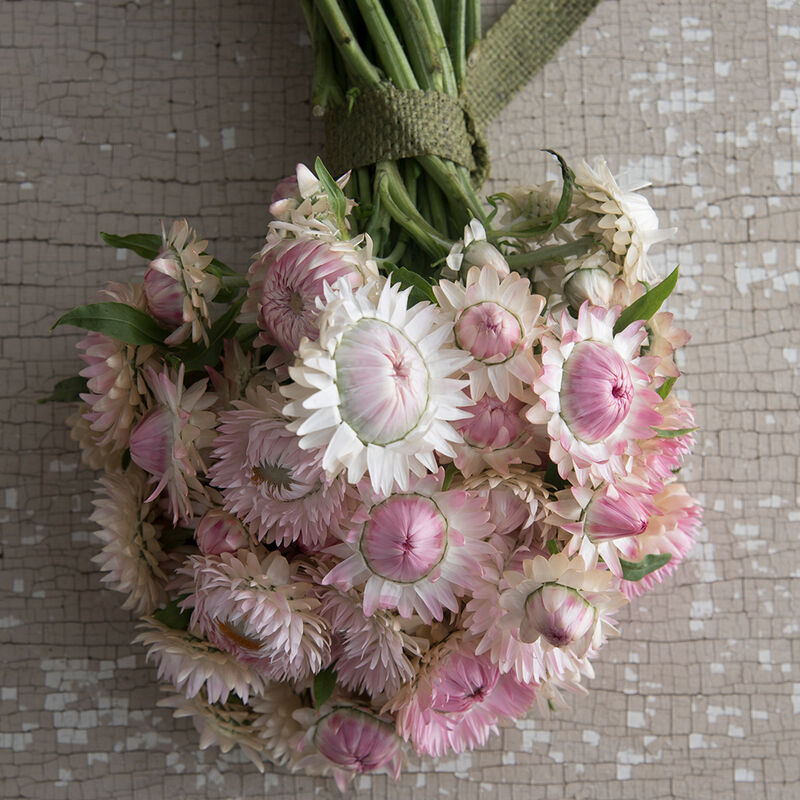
[(413, 208)]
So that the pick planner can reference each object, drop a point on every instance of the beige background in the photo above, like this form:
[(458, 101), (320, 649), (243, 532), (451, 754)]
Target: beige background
[(116, 113)]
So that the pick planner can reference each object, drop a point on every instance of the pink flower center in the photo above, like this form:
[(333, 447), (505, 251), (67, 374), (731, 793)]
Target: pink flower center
[(489, 332), (596, 391), (355, 741), (467, 680), (494, 424), (382, 381), (405, 538)]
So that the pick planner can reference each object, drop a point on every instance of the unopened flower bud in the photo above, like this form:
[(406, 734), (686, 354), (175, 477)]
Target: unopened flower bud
[(594, 285), (483, 254), (220, 532), (164, 296), (558, 613)]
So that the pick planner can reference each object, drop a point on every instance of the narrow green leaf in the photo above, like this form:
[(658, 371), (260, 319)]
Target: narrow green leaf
[(172, 616), (552, 477), (67, 391), (664, 433), (666, 388), (145, 245), (450, 471), (335, 195), (421, 288), (565, 202), (648, 303), (635, 571), (552, 546), (120, 321), (324, 684)]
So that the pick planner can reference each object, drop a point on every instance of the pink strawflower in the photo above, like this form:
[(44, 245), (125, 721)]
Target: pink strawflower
[(118, 393), (594, 394), (167, 441), (457, 700), (178, 286), (416, 551), (374, 654), (602, 523), (561, 603), (268, 481), (349, 741), (496, 434), (665, 339), (496, 322), (287, 279), (672, 530), (255, 606), (219, 532)]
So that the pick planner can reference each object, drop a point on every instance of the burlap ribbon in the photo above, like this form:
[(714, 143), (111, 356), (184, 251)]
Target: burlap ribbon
[(383, 122)]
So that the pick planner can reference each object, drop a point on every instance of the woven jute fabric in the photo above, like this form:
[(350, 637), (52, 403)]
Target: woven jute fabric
[(382, 122)]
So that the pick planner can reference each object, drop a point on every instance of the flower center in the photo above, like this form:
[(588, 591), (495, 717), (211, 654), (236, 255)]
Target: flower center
[(405, 538), (489, 332), (468, 680), (596, 391), (494, 424), (382, 381), (296, 304)]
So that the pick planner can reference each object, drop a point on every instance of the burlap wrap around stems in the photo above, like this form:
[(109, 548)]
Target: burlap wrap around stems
[(382, 122)]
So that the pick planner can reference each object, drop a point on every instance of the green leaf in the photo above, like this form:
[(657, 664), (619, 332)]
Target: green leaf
[(564, 204), (664, 433), (450, 471), (324, 684), (648, 303), (67, 391), (421, 288), (666, 388), (635, 571), (335, 195), (145, 245), (171, 538), (117, 320), (552, 477), (552, 546), (172, 616), (199, 355)]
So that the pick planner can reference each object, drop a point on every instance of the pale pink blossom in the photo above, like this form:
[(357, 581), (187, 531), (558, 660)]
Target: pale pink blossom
[(219, 532)]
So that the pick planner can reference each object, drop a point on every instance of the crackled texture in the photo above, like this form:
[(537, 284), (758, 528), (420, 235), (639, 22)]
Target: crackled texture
[(116, 114)]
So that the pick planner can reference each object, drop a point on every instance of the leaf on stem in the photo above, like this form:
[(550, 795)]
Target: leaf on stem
[(67, 391), (335, 195), (324, 684), (117, 320), (647, 305), (636, 570), (565, 202)]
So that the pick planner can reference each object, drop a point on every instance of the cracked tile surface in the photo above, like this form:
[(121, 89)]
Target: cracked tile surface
[(117, 114)]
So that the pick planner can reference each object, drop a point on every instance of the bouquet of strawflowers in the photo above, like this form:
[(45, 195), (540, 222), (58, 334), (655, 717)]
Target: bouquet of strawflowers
[(393, 484)]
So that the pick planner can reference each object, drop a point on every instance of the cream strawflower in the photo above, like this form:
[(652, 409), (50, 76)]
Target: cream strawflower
[(132, 555), (627, 223), (496, 323), (374, 394), (224, 725), (416, 551), (258, 609), (191, 664), (167, 441), (268, 481), (595, 395), (178, 286), (562, 604), (275, 724)]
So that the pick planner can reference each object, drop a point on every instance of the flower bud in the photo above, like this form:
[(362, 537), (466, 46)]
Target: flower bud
[(151, 442), (164, 296), (220, 532), (481, 253), (558, 613), (615, 517), (593, 284), (357, 742)]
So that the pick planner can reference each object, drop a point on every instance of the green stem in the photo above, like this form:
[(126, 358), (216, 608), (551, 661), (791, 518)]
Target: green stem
[(473, 30), (552, 253), (325, 88), (434, 26), (419, 44), (456, 31), (437, 204), (387, 45), (361, 68)]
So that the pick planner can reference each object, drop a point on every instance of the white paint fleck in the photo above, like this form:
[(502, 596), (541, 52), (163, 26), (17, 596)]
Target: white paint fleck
[(509, 759), (8, 693), (11, 497), (591, 738), (26, 186), (735, 731), (202, 141), (177, 55), (697, 741), (228, 138), (701, 609), (742, 775), (636, 719), (717, 668), (790, 354), (722, 68)]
